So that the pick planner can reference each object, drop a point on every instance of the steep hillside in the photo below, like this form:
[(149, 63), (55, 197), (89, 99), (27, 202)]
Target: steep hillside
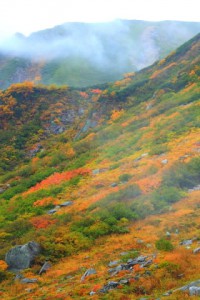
[(81, 54), (111, 194)]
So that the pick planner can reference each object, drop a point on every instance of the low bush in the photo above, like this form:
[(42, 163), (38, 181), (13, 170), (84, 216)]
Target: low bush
[(164, 245)]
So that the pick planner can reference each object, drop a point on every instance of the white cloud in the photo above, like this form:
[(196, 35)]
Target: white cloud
[(31, 15)]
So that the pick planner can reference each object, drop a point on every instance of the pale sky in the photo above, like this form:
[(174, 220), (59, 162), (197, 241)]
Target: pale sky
[(27, 16)]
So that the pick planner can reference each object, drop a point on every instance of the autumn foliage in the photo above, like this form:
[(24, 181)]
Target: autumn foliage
[(57, 178)]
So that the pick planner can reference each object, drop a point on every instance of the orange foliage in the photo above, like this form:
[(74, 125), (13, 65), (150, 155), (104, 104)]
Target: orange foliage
[(158, 72), (3, 265), (96, 91), (188, 87), (45, 201), (83, 95), (57, 178), (24, 87), (40, 222), (116, 114), (137, 268)]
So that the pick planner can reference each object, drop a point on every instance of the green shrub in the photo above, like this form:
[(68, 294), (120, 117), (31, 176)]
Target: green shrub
[(166, 195), (164, 245), (158, 149), (130, 192), (183, 175), (125, 177)]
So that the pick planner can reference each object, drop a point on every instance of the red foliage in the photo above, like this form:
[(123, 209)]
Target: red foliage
[(40, 222), (96, 91), (83, 94), (57, 178)]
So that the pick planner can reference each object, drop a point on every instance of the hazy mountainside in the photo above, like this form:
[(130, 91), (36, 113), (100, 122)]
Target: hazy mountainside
[(106, 181), (81, 54)]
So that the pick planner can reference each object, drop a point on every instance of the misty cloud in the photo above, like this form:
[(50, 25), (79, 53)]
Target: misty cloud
[(116, 47)]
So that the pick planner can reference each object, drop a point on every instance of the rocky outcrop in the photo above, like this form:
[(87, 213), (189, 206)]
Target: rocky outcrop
[(21, 257), (87, 273), (4, 187), (143, 261), (46, 266), (194, 291), (58, 207), (197, 250)]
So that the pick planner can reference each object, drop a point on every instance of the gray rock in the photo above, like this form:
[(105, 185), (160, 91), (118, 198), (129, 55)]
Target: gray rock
[(66, 203), (197, 250), (115, 270), (21, 257), (137, 159), (29, 280), (4, 187), (147, 263), (194, 290), (114, 184), (45, 267), (113, 263), (52, 211), (29, 290), (123, 253), (96, 172), (92, 293), (196, 188), (87, 273), (186, 287), (18, 276), (144, 154), (186, 242), (167, 294), (139, 241), (109, 286), (124, 281), (57, 207), (164, 161)]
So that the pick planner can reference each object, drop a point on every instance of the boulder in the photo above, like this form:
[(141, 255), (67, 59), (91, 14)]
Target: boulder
[(164, 161), (186, 242), (29, 280), (113, 263), (87, 273), (194, 291), (109, 286), (66, 203), (21, 257), (45, 267), (114, 184), (197, 250), (52, 211)]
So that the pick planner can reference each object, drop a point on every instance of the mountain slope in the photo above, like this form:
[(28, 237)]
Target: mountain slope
[(129, 171), (81, 54)]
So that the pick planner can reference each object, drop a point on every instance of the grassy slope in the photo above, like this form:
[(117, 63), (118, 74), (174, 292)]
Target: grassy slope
[(147, 142)]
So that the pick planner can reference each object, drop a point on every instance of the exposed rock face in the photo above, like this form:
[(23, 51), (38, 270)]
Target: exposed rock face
[(21, 257)]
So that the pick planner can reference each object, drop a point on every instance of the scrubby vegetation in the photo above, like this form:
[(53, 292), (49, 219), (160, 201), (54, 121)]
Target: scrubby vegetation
[(101, 175)]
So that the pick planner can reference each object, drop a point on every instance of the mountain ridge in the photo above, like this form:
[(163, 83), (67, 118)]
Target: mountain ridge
[(84, 54)]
